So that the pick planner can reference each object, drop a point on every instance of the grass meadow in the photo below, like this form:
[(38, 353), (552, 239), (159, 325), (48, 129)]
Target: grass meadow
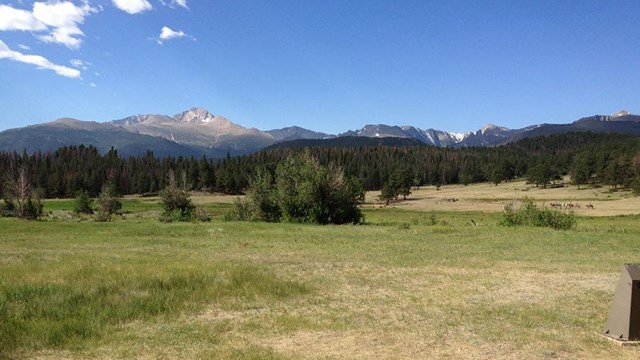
[(407, 285)]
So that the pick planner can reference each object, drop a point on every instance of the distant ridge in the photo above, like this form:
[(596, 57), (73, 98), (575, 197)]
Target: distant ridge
[(347, 142), (197, 132)]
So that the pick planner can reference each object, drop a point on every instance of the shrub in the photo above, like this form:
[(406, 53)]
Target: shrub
[(307, 192), (33, 207), (302, 191), (83, 203), (527, 214), (202, 215), (7, 208), (242, 210), (175, 202), (263, 198), (109, 203), (20, 199)]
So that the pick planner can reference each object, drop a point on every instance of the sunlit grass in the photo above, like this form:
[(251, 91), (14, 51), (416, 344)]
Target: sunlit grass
[(407, 284)]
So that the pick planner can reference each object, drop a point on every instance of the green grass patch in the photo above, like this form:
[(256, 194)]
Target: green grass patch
[(88, 304)]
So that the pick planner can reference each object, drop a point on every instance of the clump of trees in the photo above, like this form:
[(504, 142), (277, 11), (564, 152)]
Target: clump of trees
[(301, 191), (528, 214), (108, 203), (399, 183), (20, 199)]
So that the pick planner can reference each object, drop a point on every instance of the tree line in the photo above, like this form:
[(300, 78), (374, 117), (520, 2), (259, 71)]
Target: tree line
[(604, 159)]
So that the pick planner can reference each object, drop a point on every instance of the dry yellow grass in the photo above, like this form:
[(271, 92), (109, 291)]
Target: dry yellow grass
[(397, 288), (487, 197)]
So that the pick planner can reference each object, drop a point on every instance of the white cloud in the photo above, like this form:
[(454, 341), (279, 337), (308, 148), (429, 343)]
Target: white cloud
[(15, 19), (60, 19), (173, 3), (24, 47), (37, 60), (167, 33), (182, 3), (64, 18), (132, 6), (80, 64), (93, 85)]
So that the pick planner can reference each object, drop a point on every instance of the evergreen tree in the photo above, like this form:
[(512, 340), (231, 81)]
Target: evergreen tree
[(83, 203), (581, 172)]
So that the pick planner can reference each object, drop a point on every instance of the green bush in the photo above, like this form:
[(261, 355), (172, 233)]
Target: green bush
[(83, 203), (527, 214), (302, 191), (242, 210), (7, 208), (175, 202), (33, 207)]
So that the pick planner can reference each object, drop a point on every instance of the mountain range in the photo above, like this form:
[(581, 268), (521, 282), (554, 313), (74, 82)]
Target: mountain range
[(197, 132)]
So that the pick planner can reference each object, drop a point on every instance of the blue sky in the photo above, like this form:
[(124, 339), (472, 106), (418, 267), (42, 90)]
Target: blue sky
[(331, 65)]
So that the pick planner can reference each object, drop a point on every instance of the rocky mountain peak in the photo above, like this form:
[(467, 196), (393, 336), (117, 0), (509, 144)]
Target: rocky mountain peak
[(487, 127), (195, 115), (492, 128), (620, 113)]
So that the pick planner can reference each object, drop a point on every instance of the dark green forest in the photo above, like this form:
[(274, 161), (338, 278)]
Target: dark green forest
[(589, 158)]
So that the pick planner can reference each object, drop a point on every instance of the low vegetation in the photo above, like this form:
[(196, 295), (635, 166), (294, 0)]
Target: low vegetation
[(83, 203), (526, 213), (303, 191), (109, 203), (20, 199), (176, 203)]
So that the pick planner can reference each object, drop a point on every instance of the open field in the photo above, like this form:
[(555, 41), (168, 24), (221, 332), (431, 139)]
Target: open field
[(409, 284), (488, 197)]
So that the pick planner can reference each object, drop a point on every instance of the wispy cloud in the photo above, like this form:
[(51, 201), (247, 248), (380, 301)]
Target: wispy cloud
[(59, 21), (39, 61), (80, 64), (132, 6), (167, 33), (173, 3), (182, 3)]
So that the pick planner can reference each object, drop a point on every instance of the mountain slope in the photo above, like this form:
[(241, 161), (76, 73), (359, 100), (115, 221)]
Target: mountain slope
[(66, 132), (196, 132), (491, 135), (346, 142), (583, 125), (296, 132), (197, 127)]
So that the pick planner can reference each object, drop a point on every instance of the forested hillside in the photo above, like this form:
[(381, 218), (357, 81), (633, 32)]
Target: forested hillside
[(607, 159)]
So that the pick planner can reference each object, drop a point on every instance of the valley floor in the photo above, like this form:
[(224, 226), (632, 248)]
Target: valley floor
[(435, 284)]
